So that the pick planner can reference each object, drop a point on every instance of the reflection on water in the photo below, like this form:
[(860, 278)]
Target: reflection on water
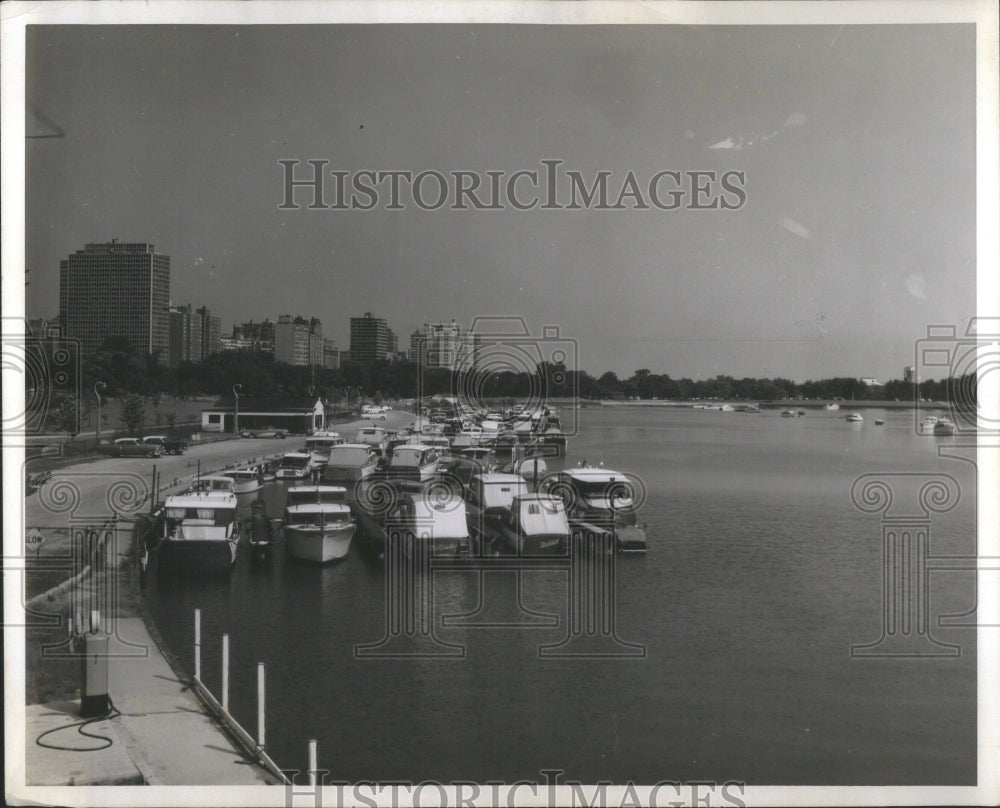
[(760, 576)]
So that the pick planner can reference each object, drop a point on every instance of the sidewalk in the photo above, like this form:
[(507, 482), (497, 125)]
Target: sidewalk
[(162, 737)]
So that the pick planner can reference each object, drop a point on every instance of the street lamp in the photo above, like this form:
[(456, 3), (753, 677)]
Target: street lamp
[(98, 394), (236, 418)]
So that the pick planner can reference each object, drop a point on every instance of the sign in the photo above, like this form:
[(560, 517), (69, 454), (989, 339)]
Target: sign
[(33, 539)]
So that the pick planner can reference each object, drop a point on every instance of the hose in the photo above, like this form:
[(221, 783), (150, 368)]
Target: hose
[(79, 728)]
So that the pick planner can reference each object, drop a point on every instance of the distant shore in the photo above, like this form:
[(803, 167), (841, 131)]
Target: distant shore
[(787, 403)]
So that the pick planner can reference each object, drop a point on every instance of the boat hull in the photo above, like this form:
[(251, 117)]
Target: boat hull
[(319, 545), (202, 555)]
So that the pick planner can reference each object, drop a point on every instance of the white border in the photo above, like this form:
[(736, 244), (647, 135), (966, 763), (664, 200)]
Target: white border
[(14, 16)]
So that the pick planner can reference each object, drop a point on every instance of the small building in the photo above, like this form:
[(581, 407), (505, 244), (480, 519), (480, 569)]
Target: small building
[(298, 414)]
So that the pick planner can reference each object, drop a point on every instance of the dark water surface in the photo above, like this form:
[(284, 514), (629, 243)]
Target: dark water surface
[(760, 576)]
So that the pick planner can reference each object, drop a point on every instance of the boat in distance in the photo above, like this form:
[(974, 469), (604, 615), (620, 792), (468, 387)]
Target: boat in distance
[(245, 481), (854, 418), (944, 427)]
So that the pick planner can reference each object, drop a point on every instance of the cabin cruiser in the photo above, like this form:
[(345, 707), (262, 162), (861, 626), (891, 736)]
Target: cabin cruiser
[(927, 425), (435, 524), (245, 481), (350, 462), (373, 436), (212, 484), (788, 414), (319, 446), (200, 529), (944, 427), (600, 500), (316, 530), (413, 461), (854, 417), (488, 497), (833, 406), (535, 524), (295, 466)]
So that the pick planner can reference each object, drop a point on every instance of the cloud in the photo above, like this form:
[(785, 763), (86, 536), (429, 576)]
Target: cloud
[(795, 119), (795, 228), (728, 143), (916, 286)]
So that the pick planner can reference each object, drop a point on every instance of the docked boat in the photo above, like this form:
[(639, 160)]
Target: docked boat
[(372, 436), (305, 494), (536, 525), (488, 498), (319, 446), (350, 462), (927, 425), (944, 427), (555, 440), (435, 525), (212, 484), (200, 530), (295, 466), (245, 481), (413, 462), (268, 471), (318, 531), (854, 418), (260, 531), (600, 500)]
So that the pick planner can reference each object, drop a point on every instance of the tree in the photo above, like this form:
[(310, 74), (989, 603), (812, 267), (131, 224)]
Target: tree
[(65, 417), (133, 413)]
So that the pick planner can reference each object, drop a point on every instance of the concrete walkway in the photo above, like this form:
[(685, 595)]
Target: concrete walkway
[(162, 737)]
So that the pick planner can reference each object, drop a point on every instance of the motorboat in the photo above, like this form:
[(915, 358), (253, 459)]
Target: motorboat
[(245, 481), (944, 427), (879, 422), (200, 530), (318, 531), (415, 462), (554, 439), (430, 525), (833, 406), (350, 462), (320, 444), (260, 531), (788, 414), (927, 425), (305, 494), (854, 418), (600, 500), (268, 471), (372, 436), (536, 525), (488, 498), (212, 484), (295, 466)]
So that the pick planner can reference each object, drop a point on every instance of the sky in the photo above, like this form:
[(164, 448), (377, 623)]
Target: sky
[(856, 143)]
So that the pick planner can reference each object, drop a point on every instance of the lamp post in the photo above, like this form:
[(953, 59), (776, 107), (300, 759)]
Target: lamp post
[(236, 417), (98, 394)]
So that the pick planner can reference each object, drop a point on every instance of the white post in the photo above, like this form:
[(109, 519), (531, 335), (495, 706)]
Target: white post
[(225, 673), (197, 645), (260, 704), (312, 763)]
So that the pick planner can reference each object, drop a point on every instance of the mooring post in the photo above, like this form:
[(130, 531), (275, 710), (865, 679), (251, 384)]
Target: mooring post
[(260, 704), (312, 763), (225, 673), (197, 645)]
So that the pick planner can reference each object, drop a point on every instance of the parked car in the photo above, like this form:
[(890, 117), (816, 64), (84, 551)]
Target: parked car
[(168, 445), (129, 447), (264, 432)]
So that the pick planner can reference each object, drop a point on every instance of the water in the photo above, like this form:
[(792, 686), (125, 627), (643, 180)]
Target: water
[(760, 576)]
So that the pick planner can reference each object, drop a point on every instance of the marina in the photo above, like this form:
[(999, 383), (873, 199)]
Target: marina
[(757, 561)]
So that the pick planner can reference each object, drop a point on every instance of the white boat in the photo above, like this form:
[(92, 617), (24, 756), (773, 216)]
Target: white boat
[(319, 532), (413, 461), (854, 417), (927, 425), (788, 414), (305, 494), (372, 435), (435, 525), (212, 484), (349, 463), (536, 524), (245, 481), (944, 427), (295, 466), (600, 500), (200, 529), (833, 406), (319, 446)]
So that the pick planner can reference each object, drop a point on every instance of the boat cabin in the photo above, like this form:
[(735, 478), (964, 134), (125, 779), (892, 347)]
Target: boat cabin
[(213, 484), (306, 494)]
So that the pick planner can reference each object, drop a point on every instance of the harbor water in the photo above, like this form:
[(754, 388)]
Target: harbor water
[(734, 631)]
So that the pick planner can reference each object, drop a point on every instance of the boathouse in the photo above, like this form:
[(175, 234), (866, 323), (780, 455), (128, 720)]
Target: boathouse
[(301, 415)]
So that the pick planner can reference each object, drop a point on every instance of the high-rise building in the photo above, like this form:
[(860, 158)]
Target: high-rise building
[(417, 341), (255, 336), (908, 374), (116, 289), (211, 331), (194, 334), (331, 356), (298, 341), (445, 345), (369, 338)]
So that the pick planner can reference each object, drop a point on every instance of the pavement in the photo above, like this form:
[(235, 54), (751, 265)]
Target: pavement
[(162, 736)]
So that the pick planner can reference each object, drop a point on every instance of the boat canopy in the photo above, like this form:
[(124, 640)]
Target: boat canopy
[(214, 483), (350, 454), (437, 517), (413, 455), (295, 460), (540, 515), (498, 490)]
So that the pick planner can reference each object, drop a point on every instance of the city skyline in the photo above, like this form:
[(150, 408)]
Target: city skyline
[(834, 266)]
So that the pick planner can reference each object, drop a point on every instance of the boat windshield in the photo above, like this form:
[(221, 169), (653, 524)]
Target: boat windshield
[(314, 518), (308, 496), (320, 443), (210, 516), (294, 462), (349, 456), (619, 491)]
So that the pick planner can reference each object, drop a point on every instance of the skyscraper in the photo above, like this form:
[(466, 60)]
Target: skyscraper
[(445, 345), (298, 341), (116, 289), (369, 338)]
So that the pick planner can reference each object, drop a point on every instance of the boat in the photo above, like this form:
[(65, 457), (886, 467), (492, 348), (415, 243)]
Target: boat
[(295, 466), (788, 414), (944, 427), (319, 446), (305, 494), (372, 436), (879, 422), (350, 462), (245, 481), (268, 471), (212, 484), (319, 532), (751, 408), (536, 525), (600, 500), (927, 425), (415, 462), (430, 525), (555, 439), (799, 413), (260, 531), (854, 417), (832, 406), (488, 498), (200, 530)]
